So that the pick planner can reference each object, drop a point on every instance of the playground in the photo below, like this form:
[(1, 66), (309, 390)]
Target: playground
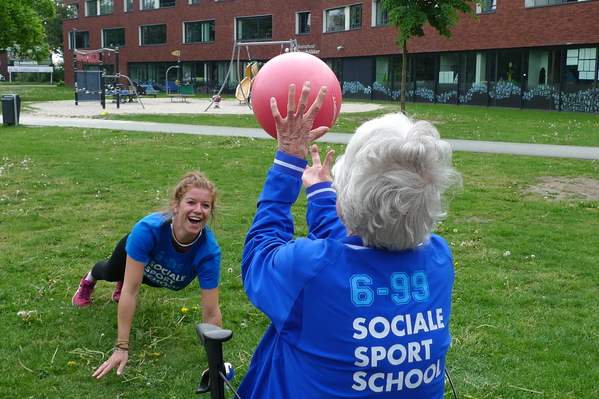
[(162, 105)]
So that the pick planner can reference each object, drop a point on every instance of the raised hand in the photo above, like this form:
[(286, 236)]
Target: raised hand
[(318, 173), (295, 133)]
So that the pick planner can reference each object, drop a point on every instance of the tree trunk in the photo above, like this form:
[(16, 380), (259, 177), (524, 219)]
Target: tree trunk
[(404, 74)]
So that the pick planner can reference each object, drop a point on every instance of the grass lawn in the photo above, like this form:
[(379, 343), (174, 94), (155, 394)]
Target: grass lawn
[(525, 297)]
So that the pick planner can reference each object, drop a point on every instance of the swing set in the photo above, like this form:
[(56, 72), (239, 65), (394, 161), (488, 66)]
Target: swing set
[(91, 85), (244, 87)]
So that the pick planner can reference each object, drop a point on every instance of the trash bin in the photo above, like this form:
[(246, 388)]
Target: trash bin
[(11, 109)]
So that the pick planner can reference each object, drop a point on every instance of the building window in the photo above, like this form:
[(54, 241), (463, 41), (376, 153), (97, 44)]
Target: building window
[(542, 3), (154, 4), (355, 16), (194, 1), (72, 11), (99, 7), (335, 20), (254, 28), (78, 40), (128, 5), (379, 17), (343, 18), (487, 6), (580, 65), (448, 68), (153, 35), (199, 32), (302, 23), (113, 37)]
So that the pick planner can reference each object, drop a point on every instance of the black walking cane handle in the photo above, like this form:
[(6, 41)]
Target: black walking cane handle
[(210, 332), (212, 337)]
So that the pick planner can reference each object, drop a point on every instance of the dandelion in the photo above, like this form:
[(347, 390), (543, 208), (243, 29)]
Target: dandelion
[(71, 363), (507, 253), (455, 230), (184, 310), (156, 354), (194, 308)]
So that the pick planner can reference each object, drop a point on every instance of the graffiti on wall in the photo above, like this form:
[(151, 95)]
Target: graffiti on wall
[(586, 100)]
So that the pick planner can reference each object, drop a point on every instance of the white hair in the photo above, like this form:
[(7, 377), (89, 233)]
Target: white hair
[(391, 179)]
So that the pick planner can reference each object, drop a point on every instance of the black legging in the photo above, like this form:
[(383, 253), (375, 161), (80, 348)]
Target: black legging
[(113, 269)]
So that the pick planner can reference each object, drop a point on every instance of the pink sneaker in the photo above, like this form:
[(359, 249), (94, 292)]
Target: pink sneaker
[(82, 297), (116, 295)]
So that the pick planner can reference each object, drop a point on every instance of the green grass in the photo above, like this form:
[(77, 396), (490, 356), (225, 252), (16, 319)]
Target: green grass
[(525, 296), (454, 122), (29, 92)]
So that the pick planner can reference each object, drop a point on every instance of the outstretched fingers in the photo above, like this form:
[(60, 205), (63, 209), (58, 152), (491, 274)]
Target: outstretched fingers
[(320, 131), (318, 101), (315, 155), (328, 161), (303, 102)]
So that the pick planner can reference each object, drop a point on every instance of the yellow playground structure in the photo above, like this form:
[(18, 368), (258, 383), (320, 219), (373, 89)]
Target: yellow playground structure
[(242, 93)]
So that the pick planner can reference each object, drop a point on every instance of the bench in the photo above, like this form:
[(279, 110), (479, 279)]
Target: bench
[(149, 91), (184, 92)]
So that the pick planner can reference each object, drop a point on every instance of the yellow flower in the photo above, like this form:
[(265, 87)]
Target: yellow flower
[(156, 354), (71, 363), (184, 310), (194, 308)]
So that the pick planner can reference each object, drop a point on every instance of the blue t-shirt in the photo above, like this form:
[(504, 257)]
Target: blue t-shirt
[(150, 243), (347, 320)]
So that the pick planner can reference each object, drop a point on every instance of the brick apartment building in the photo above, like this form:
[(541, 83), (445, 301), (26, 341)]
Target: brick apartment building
[(532, 54)]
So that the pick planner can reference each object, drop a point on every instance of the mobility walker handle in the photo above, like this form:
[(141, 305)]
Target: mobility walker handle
[(212, 337)]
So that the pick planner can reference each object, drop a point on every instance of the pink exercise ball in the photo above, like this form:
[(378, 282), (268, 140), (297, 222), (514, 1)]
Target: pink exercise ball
[(276, 75)]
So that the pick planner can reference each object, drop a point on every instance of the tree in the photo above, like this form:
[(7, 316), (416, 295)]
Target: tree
[(23, 29), (410, 16), (53, 25)]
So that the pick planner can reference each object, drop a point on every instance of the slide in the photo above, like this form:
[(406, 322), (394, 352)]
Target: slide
[(244, 87)]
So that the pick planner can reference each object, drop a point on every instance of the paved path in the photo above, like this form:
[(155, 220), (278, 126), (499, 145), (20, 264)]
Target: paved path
[(542, 150)]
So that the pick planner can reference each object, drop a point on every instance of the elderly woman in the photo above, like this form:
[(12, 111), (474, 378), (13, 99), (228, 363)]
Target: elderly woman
[(361, 307)]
